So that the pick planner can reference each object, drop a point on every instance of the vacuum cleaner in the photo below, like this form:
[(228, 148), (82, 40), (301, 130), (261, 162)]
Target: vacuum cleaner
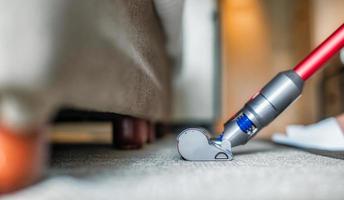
[(196, 144)]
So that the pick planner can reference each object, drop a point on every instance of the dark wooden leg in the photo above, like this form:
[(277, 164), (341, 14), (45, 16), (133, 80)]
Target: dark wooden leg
[(129, 132), (151, 132), (141, 129), (23, 156)]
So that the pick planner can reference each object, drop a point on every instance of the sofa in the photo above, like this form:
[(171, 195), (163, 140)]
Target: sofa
[(112, 56)]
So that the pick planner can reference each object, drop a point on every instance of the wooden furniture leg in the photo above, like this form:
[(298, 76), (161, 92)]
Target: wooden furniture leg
[(129, 132)]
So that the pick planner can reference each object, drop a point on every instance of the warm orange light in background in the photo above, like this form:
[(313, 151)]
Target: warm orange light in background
[(260, 38), (244, 52), (244, 25)]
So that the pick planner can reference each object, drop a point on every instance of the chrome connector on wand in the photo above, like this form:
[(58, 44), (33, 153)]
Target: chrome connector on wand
[(262, 108)]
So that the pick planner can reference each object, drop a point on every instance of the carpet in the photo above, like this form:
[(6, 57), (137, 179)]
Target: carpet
[(260, 170)]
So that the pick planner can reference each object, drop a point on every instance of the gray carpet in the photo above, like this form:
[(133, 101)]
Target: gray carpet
[(260, 170)]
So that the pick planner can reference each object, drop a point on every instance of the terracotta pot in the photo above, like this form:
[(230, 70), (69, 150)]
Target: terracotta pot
[(23, 158)]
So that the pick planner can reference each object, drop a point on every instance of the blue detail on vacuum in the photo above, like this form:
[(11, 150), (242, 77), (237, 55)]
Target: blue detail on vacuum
[(245, 124), (219, 138)]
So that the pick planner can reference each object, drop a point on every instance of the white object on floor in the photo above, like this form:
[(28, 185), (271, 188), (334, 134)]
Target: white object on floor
[(324, 135), (341, 55)]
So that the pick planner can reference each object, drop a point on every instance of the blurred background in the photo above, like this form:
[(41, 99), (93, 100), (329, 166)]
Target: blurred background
[(165, 63), (231, 48), (118, 74)]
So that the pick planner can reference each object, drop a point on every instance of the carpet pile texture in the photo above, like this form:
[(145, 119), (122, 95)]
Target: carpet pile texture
[(260, 170)]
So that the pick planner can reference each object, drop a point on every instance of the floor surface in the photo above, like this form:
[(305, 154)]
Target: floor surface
[(260, 170)]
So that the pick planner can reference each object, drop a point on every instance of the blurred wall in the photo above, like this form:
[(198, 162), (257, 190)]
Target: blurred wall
[(327, 16), (194, 84)]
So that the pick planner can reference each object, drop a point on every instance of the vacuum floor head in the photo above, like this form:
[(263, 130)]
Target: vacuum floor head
[(195, 144)]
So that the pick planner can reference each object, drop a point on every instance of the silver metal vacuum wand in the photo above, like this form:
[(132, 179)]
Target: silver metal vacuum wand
[(263, 108)]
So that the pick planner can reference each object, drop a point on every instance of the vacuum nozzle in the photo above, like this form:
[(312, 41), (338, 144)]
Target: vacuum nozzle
[(196, 144)]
